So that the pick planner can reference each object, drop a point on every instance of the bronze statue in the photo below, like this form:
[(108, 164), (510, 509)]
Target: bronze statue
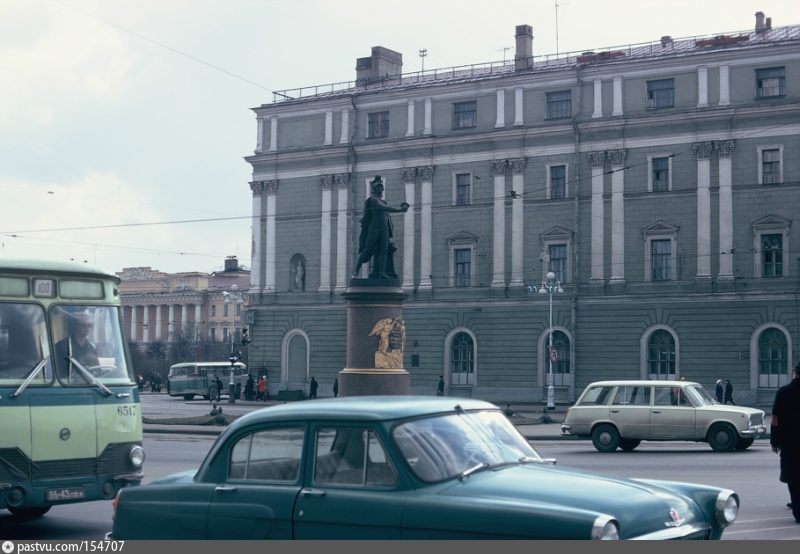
[(376, 234)]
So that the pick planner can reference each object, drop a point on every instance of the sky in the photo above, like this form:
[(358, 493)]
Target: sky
[(124, 124)]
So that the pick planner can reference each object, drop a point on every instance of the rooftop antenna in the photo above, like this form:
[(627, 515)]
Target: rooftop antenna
[(422, 53), (555, 3), (504, 50)]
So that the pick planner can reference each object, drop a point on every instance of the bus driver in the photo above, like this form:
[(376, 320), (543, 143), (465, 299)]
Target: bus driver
[(76, 346)]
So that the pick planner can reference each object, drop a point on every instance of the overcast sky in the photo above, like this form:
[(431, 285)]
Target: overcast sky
[(130, 119)]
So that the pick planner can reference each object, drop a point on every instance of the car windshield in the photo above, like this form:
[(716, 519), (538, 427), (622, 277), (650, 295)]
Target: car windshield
[(443, 447), (700, 396)]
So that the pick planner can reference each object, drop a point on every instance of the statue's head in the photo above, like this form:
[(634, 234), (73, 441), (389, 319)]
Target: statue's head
[(375, 183)]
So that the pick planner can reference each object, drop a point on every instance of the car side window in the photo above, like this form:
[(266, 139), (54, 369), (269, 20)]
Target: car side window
[(670, 396), (268, 455), (348, 456), (596, 396), (632, 396)]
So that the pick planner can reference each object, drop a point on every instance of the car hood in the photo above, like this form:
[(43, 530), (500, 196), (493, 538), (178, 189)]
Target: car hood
[(639, 507), (728, 409)]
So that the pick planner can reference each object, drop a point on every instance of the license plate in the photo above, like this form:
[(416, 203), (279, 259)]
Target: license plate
[(65, 493)]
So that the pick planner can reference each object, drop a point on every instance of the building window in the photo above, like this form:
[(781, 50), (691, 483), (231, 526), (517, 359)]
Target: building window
[(465, 114), (224, 334), (558, 261), (213, 335), (559, 104), (558, 181), (661, 93), (772, 255), (661, 259), (463, 189), (772, 358), (561, 367), (770, 82), (213, 310), (225, 310), (462, 360), (463, 267), (660, 174), (770, 168), (661, 355), (378, 125)]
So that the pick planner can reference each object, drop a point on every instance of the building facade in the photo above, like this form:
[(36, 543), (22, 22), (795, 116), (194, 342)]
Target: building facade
[(659, 182)]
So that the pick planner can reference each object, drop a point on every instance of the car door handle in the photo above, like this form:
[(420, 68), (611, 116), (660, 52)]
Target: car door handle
[(656, 411), (614, 411), (313, 492), (224, 488)]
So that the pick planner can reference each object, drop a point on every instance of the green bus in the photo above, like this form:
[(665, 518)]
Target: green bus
[(70, 416), (192, 379)]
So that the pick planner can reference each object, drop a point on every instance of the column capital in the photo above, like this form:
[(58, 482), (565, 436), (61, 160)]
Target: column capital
[(257, 187), (703, 150), (326, 182), (518, 164), (724, 148), (271, 186), (425, 172), (616, 157), (499, 167), (597, 159), (342, 180), (409, 175)]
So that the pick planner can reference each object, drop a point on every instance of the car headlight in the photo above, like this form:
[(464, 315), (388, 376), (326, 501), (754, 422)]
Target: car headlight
[(136, 456), (727, 507), (605, 528)]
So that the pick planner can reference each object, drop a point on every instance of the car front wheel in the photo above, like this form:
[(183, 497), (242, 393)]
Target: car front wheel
[(29, 513), (722, 438), (628, 444), (605, 438)]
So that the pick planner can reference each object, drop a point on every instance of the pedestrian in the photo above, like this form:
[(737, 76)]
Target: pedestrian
[(729, 393), (440, 387), (313, 388), (784, 437), (266, 388), (248, 387), (262, 389), (720, 390), (335, 387), (218, 383)]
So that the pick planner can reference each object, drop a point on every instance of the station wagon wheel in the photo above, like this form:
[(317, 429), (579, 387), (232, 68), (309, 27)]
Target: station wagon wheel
[(628, 444), (605, 438), (722, 437), (29, 513), (744, 444)]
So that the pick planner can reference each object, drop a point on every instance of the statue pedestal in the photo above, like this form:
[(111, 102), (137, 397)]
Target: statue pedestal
[(375, 339)]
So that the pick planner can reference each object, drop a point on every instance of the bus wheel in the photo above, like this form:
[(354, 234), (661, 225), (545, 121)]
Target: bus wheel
[(188, 396), (29, 513)]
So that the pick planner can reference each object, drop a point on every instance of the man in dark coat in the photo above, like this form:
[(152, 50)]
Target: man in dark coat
[(729, 393), (719, 391), (313, 388), (785, 437), (376, 233)]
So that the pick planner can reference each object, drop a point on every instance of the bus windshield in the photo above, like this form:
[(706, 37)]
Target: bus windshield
[(88, 345)]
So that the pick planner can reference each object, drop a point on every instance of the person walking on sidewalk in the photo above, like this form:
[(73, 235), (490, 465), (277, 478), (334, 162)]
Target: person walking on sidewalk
[(785, 437), (729, 393), (313, 388), (719, 391)]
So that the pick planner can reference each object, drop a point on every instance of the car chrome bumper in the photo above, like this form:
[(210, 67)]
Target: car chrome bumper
[(755, 432), (566, 429)]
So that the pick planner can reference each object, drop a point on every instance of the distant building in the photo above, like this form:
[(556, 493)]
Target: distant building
[(157, 305), (660, 182)]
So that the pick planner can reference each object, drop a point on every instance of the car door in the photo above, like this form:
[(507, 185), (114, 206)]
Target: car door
[(262, 480), (672, 415), (630, 410), (351, 488)]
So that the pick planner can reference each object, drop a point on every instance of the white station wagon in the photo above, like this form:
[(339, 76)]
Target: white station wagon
[(621, 414)]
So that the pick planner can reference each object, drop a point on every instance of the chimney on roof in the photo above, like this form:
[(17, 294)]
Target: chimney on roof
[(231, 263), (666, 40), (769, 23), (381, 64), (523, 56), (760, 22)]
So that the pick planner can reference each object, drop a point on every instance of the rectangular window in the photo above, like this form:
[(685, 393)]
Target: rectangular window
[(661, 93), (463, 189), (213, 310), (224, 334), (770, 82), (213, 335), (558, 261), (662, 259), (558, 181), (224, 310), (772, 255), (559, 104), (378, 125), (465, 114), (463, 269), (660, 174), (770, 166)]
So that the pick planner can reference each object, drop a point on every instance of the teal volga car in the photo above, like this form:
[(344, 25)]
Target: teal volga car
[(404, 468)]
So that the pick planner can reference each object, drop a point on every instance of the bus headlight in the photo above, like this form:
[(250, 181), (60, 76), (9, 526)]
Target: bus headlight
[(136, 456), (726, 508)]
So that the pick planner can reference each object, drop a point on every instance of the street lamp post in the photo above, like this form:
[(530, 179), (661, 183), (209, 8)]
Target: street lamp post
[(549, 286), (233, 297)]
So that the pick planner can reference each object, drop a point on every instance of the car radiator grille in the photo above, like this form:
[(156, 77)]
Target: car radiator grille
[(757, 419)]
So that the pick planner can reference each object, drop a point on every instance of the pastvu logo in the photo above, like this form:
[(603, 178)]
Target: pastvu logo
[(8, 547)]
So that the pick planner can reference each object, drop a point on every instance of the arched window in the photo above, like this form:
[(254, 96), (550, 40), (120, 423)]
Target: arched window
[(462, 360), (661, 355), (561, 367), (772, 358)]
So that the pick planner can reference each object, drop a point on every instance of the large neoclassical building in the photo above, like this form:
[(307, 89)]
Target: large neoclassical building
[(659, 182)]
